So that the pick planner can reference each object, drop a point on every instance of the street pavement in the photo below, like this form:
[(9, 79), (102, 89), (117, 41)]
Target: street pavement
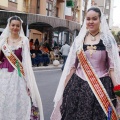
[(49, 67), (47, 79)]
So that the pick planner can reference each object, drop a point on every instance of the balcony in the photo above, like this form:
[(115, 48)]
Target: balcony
[(68, 17), (12, 6)]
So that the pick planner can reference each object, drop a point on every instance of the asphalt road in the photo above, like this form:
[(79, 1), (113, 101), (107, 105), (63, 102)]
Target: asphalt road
[(47, 81)]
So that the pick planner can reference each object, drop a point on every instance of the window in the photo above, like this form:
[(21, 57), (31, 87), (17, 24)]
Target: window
[(13, 0), (56, 12), (38, 7), (49, 8)]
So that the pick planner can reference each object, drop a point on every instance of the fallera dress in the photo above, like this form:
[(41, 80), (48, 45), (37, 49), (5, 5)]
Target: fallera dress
[(15, 103), (79, 102)]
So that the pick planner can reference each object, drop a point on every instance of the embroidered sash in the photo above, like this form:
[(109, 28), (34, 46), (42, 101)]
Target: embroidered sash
[(96, 85), (12, 58)]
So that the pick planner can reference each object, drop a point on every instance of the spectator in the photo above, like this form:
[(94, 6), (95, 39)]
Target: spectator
[(40, 56), (56, 52), (45, 55), (64, 50), (34, 56), (31, 44), (36, 44), (47, 45), (44, 49)]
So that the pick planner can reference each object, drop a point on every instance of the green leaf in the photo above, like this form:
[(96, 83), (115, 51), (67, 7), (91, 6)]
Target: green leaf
[(117, 93)]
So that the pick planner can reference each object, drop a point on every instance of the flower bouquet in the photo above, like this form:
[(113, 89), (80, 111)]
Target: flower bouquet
[(116, 90)]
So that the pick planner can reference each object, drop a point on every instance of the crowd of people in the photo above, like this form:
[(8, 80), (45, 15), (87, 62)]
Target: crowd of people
[(40, 55), (43, 54)]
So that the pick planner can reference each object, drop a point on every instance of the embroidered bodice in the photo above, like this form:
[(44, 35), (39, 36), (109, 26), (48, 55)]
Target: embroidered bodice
[(5, 63), (98, 59)]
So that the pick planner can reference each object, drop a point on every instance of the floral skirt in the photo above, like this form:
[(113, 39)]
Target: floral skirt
[(15, 103), (79, 102)]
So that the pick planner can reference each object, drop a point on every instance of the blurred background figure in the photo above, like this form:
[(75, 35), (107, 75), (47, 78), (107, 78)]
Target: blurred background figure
[(31, 43), (45, 55), (36, 44), (119, 48), (47, 45), (65, 51), (33, 52)]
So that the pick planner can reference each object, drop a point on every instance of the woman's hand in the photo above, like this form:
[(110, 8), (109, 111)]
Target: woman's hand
[(33, 55)]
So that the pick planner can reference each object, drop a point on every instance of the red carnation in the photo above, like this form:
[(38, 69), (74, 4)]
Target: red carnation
[(116, 90)]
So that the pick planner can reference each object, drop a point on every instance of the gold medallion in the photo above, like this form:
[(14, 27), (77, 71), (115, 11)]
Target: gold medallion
[(91, 49)]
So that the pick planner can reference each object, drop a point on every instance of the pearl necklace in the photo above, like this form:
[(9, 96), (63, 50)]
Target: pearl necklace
[(94, 36)]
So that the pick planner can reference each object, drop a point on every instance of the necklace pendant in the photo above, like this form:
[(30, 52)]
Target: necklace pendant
[(93, 38)]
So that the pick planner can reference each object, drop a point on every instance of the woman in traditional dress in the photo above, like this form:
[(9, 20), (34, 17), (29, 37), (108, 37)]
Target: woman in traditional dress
[(19, 95), (85, 90)]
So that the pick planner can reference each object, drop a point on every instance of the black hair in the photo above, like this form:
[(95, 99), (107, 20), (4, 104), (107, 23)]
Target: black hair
[(36, 42), (15, 18), (95, 9), (66, 42), (31, 40)]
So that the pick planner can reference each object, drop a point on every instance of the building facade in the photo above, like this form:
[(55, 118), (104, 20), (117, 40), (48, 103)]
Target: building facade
[(43, 19), (80, 7), (11, 5), (107, 8)]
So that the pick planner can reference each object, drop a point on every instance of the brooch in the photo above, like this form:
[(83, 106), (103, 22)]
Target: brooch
[(91, 49)]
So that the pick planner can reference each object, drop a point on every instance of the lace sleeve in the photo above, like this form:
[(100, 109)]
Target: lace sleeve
[(110, 64)]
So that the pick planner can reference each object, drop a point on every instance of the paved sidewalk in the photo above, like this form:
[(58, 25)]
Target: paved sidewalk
[(49, 67)]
